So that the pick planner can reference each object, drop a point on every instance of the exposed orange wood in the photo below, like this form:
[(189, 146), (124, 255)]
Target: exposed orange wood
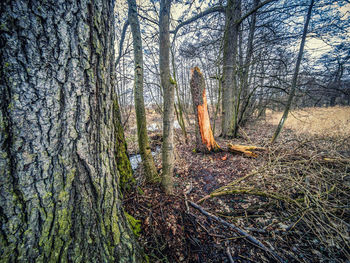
[(246, 150), (204, 125), (203, 116)]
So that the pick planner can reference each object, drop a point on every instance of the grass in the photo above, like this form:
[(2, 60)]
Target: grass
[(295, 201), (325, 122), (303, 187)]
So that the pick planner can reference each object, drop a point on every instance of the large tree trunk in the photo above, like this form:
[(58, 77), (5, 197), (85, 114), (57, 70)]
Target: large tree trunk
[(205, 141), (168, 97), (229, 84), (246, 94), (59, 180), (144, 147)]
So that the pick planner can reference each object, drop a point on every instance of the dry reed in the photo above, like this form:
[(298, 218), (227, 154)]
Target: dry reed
[(326, 122), (303, 188)]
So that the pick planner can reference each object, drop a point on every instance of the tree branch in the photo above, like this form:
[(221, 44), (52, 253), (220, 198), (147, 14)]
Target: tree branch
[(240, 231), (253, 11), (149, 20), (125, 27), (220, 9), (198, 16)]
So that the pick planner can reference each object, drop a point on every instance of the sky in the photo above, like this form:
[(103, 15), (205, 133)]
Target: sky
[(317, 47)]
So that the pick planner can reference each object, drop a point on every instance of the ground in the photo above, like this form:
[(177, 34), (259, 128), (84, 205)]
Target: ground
[(294, 198)]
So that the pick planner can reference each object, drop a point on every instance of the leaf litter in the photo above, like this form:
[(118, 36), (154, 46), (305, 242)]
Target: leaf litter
[(296, 203)]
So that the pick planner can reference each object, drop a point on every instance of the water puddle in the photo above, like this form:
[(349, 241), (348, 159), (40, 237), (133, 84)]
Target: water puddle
[(158, 126), (135, 159)]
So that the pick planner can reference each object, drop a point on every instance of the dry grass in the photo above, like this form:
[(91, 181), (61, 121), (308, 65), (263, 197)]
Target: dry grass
[(301, 203), (298, 200), (326, 122)]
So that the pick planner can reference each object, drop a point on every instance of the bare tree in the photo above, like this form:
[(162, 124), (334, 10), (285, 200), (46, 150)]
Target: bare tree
[(295, 75), (144, 147), (169, 99), (229, 84)]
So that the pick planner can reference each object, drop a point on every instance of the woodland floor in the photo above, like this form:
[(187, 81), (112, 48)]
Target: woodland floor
[(306, 217)]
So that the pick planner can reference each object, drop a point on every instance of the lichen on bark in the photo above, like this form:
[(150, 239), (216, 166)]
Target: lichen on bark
[(127, 179), (59, 183)]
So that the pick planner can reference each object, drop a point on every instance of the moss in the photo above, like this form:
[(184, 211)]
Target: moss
[(127, 179), (64, 227), (140, 191), (97, 20), (172, 81), (97, 45), (70, 178), (63, 221), (45, 240), (115, 228), (103, 229), (73, 133), (134, 224), (3, 27), (146, 259), (91, 75), (62, 161), (10, 106), (62, 224), (77, 252)]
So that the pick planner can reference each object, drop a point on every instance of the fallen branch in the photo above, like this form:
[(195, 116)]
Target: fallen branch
[(228, 186), (256, 192), (240, 231), (229, 255), (246, 150), (336, 160), (320, 160)]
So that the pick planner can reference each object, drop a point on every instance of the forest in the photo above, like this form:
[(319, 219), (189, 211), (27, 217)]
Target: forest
[(175, 131)]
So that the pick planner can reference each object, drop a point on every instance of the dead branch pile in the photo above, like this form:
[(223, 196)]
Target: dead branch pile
[(302, 195)]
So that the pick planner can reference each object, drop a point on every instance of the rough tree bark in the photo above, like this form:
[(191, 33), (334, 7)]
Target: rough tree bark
[(59, 180), (168, 97), (144, 147), (295, 75), (246, 94), (123, 163), (229, 84), (205, 141)]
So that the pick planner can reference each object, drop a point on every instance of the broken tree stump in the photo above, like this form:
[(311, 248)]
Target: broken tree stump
[(205, 141)]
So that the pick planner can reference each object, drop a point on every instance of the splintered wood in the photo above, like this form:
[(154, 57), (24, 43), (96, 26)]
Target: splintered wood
[(204, 136), (205, 141), (246, 150)]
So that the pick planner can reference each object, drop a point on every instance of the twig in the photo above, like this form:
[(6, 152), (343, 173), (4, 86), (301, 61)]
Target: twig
[(229, 185), (249, 237), (229, 255)]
